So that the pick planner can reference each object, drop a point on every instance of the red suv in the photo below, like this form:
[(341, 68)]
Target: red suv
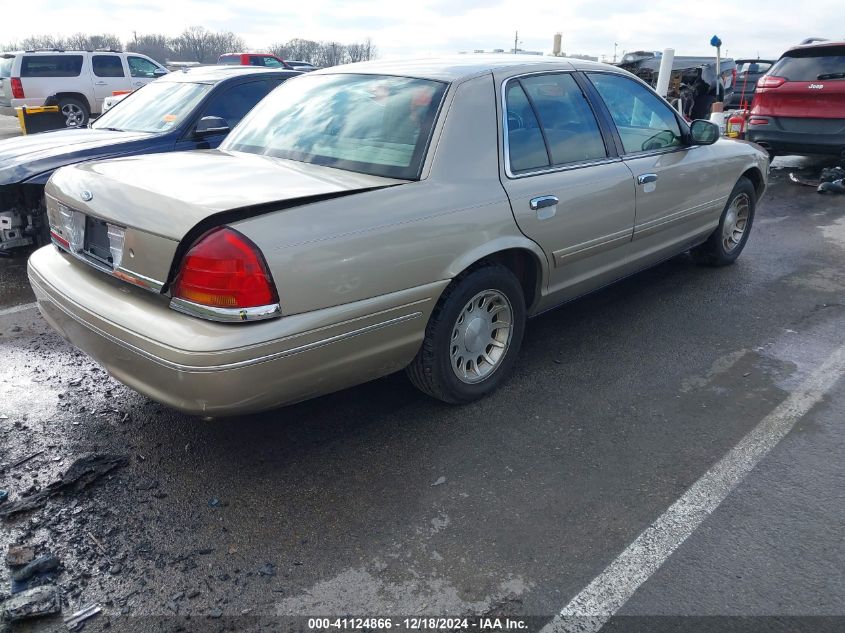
[(253, 59), (799, 104)]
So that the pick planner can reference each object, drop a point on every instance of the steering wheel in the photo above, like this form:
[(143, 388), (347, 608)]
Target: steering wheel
[(515, 121)]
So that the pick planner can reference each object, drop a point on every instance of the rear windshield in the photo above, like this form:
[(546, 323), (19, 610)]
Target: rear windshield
[(811, 64), (6, 66), (51, 66), (370, 124), (230, 59), (753, 67)]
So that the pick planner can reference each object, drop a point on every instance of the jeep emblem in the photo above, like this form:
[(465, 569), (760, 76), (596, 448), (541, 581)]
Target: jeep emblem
[(815, 86), (87, 196)]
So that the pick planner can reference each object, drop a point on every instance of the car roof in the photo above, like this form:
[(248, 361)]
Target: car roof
[(823, 44), (460, 67), (216, 73)]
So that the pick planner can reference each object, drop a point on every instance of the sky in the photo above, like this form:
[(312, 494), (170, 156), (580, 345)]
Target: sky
[(413, 28)]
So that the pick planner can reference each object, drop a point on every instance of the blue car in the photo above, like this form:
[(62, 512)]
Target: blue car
[(191, 109)]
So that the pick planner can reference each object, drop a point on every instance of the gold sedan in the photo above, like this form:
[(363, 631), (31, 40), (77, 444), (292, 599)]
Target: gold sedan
[(380, 216)]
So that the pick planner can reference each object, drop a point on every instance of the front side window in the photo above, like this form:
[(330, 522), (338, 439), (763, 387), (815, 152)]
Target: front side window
[(371, 124), (568, 123), (51, 66), (140, 67), (645, 123), (107, 66), (233, 103), (272, 62), (157, 107)]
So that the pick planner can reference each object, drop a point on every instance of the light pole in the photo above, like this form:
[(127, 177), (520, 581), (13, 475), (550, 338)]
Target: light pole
[(614, 51)]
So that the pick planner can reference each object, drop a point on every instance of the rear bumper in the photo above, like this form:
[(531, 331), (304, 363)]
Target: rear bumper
[(215, 369), (818, 136)]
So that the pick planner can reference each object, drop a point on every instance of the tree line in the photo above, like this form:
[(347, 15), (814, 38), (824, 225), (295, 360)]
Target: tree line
[(198, 44)]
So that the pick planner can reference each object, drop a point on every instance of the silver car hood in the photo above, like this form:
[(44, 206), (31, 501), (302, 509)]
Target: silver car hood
[(169, 194)]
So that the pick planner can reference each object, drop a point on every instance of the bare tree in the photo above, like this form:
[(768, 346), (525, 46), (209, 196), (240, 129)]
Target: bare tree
[(84, 42), (325, 53), (198, 44), (156, 46)]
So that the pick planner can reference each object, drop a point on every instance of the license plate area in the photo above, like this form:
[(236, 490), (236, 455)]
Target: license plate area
[(96, 243)]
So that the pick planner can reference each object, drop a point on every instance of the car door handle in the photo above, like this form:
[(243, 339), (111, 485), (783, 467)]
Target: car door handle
[(101, 83), (541, 202), (646, 178)]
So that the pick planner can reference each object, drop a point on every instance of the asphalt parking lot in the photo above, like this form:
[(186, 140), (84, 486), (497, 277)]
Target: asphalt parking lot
[(667, 456), (9, 127)]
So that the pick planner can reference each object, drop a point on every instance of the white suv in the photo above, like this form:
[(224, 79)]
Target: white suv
[(79, 80)]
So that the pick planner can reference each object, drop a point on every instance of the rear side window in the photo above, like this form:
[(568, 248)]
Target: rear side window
[(526, 148), (6, 66), (107, 66), (811, 64), (566, 119), (233, 60), (51, 66)]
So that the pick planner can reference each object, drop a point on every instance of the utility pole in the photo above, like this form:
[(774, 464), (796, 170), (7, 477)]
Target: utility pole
[(515, 41), (614, 51)]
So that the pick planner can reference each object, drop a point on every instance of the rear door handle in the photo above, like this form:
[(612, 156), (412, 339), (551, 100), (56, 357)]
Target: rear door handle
[(646, 178), (541, 202), (101, 83), (545, 206)]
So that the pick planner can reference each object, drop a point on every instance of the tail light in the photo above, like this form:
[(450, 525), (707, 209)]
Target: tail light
[(756, 120), (17, 88), (770, 81), (224, 278)]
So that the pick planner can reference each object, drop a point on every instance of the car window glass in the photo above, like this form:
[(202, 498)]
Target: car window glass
[(272, 62), (372, 124), (256, 61), (157, 107), (812, 64), (230, 59), (568, 122), (753, 68), (645, 123), (140, 67), (233, 103), (51, 66), (6, 66), (107, 66), (526, 148)]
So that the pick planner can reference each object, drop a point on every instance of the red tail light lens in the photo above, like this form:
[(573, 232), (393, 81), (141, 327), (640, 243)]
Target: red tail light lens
[(224, 269), (770, 81), (17, 88)]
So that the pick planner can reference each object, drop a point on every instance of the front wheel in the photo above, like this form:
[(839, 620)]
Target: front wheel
[(473, 336), (726, 243)]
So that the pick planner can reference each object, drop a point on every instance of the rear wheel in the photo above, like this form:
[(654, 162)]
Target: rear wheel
[(726, 243), (473, 336), (74, 111)]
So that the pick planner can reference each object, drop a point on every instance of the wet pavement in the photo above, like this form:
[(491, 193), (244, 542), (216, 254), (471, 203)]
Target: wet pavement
[(379, 501)]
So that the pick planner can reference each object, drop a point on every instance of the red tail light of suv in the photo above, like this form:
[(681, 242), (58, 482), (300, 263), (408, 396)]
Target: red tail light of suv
[(799, 105)]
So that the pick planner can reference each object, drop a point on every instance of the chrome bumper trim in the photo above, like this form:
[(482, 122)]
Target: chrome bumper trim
[(226, 315)]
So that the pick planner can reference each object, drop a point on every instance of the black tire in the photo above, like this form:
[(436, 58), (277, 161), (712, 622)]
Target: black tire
[(431, 371), (75, 112), (715, 251)]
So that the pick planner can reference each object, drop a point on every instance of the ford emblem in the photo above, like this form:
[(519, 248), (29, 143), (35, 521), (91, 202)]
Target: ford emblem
[(87, 196)]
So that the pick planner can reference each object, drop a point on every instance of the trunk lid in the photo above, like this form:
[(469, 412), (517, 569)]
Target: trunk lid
[(152, 202)]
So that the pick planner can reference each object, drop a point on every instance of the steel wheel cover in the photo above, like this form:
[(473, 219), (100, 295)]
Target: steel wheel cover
[(481, 336), (736, 222)]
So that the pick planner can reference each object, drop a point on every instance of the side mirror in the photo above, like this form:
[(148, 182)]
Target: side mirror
[(159, 72), (703, 132), (211, 125)]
